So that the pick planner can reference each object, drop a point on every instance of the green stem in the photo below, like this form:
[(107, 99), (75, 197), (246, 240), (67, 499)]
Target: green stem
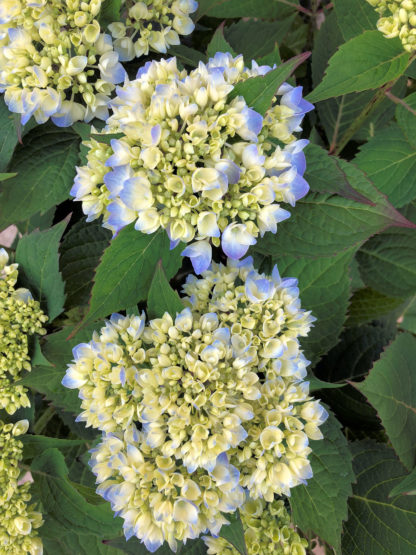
[(42, 422)]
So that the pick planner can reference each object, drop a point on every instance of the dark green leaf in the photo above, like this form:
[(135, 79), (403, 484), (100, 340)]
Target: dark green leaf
[(234, 532), (367, 304), (406, 118), (135, 547), (187, 55), (62, 503), (259, 91), (81, 251), (408, 318), (273, 9), (377, 523), (10, 125), (365, 62), (218, 43), (315, 384), (109, 12), (4, 176), (46, 170), (391, 389), (35, 445), (162, 298), (387, 262), (74, 543), (126, 270), (389, 160), (406, 487), (355, 17), (321, 506), (38, 258)]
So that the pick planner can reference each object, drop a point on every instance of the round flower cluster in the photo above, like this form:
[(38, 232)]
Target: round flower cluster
[(221, 384), (195, 161), (20, 316), (399, 20), (267, 529), (18, 520), (152, 24), (55, 61), (156, 496)]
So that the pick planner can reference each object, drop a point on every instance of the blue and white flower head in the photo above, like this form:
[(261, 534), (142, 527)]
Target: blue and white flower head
[(209, 170), (151, 25), (156, 496), (398, 20), (55, 62)]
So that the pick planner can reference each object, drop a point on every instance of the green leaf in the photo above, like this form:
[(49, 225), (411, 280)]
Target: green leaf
[(4, 176), (74, 543), (407, 119), (37, 221), (376, 523), (126, 270), (35, 445), (355, 17), (389, 160), (315, 384), (62, 503), (407, 320), (364, 62), (162, 298), (273, 9), (321, 507), (109, 12), (81, 251), (38, 259), (187, 55), (9, 137), (367, 304), (391, 389), (46, 170), (406, 487), (255, 39), (234, 532), (324, 289), (387, 262), (259, 91), (218, 43)]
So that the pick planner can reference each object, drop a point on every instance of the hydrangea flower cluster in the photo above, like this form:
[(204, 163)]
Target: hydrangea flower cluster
[(20, 317), (267, 529), (55, 61), (208, 169), (214, 398), (152, 24), (18, 519), (399, 20)]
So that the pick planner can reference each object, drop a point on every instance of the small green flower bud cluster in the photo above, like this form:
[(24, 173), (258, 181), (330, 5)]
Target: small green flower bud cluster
[(267, 530), (18, 519), (20, 317), (399, 20)]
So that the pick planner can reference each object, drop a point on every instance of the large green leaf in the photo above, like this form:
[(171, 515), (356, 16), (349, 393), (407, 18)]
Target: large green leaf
[(234, 532), (255, 38), (187, 55), (259, 91), (75, 544), (337, 114), (391, 389), (34, 445), (135, 547), (126, 270), (109, 12), (162, 298), (407, 320), (38, 258), (219, 43), (324, 286), (62, 503), (81, 251), (46, 170), (367, 304), (274, 9), (387, 262), (320, 507), (9, 137), (355, 17), (376, 523), (365, 62), (389, 160)]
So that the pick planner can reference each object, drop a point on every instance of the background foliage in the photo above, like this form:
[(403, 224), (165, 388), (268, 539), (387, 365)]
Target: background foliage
[(351, 243)]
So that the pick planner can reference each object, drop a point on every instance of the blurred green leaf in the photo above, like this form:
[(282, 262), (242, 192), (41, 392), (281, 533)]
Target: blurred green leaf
[(234, 532), (391, 389), (109, 12)]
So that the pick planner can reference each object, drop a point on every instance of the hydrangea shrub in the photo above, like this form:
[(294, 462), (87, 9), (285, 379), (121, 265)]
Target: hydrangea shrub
[(207, 277)]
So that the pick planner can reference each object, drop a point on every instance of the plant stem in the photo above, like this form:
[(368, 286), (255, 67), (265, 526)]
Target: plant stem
[(400, 101), (42, 422)]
